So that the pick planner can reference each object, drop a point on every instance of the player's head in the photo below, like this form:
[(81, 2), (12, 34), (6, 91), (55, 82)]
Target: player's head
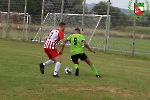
[(62, 26), (77, 31)]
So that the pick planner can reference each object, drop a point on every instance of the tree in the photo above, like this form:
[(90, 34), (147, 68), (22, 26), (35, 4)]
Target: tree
[(148, 19), (117, 17), (15, 5), (70, 6), (34, 7), (38, 5), (31, 6), (3, 6)]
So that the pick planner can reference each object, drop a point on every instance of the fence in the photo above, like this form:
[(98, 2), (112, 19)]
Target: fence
[(25, 19), (14, 21)]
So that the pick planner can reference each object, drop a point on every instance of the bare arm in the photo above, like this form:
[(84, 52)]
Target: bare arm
[(87, 46), (63, 45), (45, 38)]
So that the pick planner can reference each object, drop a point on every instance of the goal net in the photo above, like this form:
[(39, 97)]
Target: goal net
[(94, 27), (11, 24)]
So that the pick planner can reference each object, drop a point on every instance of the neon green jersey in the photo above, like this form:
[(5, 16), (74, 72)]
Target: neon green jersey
[(76, 43)]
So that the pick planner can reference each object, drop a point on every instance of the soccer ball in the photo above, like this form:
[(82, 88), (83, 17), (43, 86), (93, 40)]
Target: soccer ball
[(68, 70)]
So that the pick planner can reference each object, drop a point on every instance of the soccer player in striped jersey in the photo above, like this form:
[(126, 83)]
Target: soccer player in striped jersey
[(77, 51), (51, 40)]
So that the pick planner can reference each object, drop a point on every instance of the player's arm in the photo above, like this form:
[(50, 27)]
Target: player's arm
[(87, 46), (63, 45), (61, 36), (45, 38)]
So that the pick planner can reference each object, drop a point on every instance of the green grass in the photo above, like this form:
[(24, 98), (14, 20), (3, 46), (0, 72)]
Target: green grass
[(123, 45), (119, 44), (139, 29), (123, 77)]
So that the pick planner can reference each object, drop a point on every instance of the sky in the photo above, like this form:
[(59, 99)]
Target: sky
[(119, 3)]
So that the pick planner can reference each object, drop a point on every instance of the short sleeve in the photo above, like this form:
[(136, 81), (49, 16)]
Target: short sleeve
[(61, 34), (69, 38), (83, 38), (48, 34)]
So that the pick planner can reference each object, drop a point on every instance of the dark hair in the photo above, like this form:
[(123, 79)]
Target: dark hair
[(62, 24), (77, 29)]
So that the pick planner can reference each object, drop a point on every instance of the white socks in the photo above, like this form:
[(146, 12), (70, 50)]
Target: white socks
[(48, 62), (57, 67)]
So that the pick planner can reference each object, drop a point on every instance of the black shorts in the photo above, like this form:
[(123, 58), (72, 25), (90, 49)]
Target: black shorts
[(76, 57)]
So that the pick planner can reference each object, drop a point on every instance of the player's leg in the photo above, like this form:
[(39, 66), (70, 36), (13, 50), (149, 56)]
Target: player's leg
[(77, 69), (87, 60), (57, 65), (76, 64), (48, 62), (92, 67)]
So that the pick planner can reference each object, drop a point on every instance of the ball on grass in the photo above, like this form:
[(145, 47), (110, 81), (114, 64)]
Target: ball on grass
[(68, 70)]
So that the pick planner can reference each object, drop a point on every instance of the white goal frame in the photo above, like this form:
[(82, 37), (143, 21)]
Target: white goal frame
[(25, 26), (39, 32)]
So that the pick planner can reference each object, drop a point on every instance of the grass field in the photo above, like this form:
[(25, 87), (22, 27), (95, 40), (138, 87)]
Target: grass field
[(123, 77), (119, 44)]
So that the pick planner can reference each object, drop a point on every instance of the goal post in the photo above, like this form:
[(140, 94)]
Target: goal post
[(14, 26), (94, 30), (94, 27)]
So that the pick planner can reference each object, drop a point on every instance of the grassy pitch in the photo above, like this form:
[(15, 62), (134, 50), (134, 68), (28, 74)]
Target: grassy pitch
[(123, 77)]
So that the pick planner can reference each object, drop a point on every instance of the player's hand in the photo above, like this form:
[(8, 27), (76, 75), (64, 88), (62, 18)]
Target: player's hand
[(93, 51), (60, 53)]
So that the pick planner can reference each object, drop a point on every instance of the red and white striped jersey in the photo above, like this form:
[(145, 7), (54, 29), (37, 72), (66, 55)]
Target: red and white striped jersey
[(53, 38)]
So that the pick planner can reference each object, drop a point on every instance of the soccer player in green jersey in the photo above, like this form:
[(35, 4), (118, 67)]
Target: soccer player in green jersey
[(77, 51)]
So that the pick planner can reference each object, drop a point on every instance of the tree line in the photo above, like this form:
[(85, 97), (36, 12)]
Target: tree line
[(34, 7), (119, 18)]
